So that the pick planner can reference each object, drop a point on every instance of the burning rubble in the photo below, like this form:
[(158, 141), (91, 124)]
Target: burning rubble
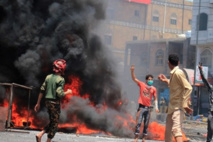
[(33, 34)]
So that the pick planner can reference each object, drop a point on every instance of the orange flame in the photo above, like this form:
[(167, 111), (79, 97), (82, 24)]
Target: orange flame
[(20, 116), (75, 86), (158, 132)]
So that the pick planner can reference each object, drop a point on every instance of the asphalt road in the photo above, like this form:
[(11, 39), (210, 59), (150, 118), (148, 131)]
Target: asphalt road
[(29, 136)]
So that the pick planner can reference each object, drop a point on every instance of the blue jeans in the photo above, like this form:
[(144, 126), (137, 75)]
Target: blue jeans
[(144, 114)]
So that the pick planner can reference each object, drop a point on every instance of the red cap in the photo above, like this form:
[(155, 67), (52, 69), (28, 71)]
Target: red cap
[(59, 65)]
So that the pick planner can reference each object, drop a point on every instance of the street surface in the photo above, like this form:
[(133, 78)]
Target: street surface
[(14, 135), (194, 130), (60, 137)]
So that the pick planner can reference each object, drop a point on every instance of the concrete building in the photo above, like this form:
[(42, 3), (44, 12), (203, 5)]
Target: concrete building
[(152, 56), (130, 21), (202, 32), (202, 38)]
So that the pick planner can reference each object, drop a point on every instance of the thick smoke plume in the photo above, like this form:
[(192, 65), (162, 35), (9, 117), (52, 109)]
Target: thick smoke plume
[(33, 33), (99, 121)]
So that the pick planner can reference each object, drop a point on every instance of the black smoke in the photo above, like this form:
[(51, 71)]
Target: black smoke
[(33, 33), (105, 121)]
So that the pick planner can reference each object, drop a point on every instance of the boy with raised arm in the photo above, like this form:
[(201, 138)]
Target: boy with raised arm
[(147, 91)]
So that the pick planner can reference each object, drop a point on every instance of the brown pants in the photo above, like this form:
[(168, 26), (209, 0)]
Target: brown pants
[(174, 125)]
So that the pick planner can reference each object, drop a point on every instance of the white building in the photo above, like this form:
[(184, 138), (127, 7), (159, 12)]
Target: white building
[(202, 38), (202, 32)]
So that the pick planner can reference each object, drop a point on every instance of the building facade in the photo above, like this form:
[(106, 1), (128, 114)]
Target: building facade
[(202, 32), (130, 21), (202, 38), (151, 57)]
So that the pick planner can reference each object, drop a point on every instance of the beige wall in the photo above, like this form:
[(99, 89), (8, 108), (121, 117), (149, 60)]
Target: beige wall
[(124, 24), (155, 69), (166, 12)]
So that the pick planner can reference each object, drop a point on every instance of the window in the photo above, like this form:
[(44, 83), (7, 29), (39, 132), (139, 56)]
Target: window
[(190, 22), (203, 22), (137, 14), (155, 19), (135, 38), (159, 57), (155, 16), (206, 58), (173, 19), (108, 39)]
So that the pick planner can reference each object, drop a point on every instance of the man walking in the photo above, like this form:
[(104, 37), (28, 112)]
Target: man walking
[(52, 89), (210, 115), (146, 93), (180, 91)]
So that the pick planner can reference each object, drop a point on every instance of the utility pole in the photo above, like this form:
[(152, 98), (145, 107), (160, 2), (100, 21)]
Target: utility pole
[(164, 17), (197, 36), (183, 11), (198, 23), (150, 39)]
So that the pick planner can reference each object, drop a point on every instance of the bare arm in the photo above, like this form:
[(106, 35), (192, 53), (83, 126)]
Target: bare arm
[(133, 74), (39, 98), (37, 106)]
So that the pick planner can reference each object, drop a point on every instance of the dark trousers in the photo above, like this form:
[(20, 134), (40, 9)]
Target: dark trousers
[(210, 126), (144, 113), (54, 113)]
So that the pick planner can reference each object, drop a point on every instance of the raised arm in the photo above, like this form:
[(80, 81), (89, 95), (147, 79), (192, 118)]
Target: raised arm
[(133, 74), (203, 78)]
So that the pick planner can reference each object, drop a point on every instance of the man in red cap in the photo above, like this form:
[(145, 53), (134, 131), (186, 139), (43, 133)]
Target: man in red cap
[(52, 89)]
